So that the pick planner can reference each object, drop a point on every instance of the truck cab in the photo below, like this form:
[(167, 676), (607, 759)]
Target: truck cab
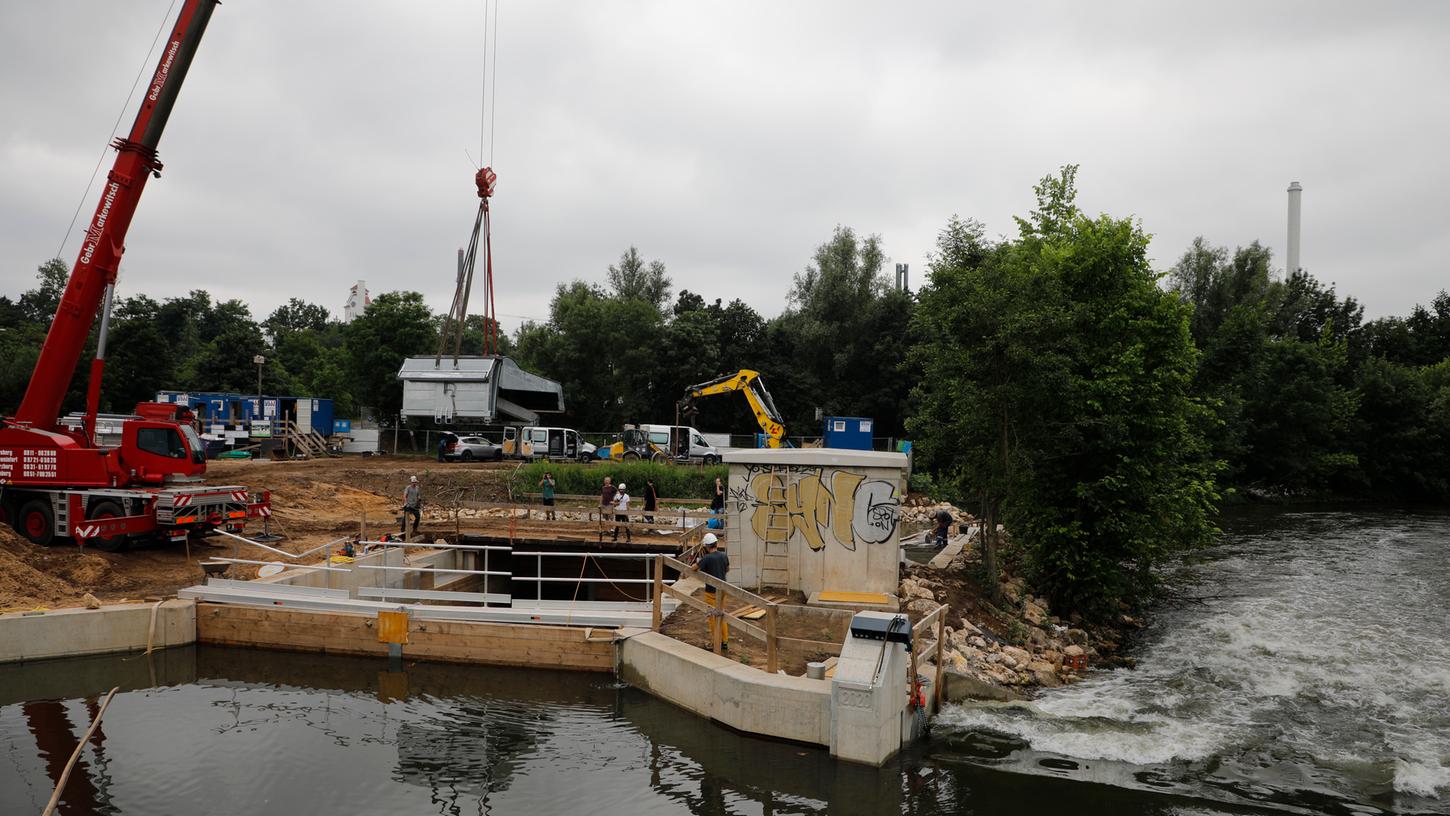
[(157, 451), (683, 443)]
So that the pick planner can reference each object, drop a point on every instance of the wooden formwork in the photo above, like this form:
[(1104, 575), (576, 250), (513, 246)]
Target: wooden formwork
[(499, 644)]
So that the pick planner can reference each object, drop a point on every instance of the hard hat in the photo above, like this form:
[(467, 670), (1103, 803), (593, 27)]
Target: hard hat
[(621, 487), (413, 479), (709, 539)]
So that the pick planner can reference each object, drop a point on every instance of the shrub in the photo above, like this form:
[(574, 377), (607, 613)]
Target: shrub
[(672, 481)]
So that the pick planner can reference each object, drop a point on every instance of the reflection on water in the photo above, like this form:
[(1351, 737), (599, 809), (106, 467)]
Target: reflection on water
[(249, 732)]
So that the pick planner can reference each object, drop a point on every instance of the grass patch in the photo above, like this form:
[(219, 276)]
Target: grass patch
[(672, 481)]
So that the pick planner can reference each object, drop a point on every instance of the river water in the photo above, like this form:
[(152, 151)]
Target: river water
[(1315, 677), (1316, 681)]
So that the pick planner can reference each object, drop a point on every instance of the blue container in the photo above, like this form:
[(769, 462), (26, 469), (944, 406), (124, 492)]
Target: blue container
[(342, 426), (850, 433)]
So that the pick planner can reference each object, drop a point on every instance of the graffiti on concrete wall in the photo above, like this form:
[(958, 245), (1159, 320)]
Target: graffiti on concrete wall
[(819, 503)]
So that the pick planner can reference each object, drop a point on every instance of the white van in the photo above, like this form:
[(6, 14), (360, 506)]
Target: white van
[(544, 443), (683, 443)]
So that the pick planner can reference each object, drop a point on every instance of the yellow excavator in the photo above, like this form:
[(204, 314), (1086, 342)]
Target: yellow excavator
[(748, 383)]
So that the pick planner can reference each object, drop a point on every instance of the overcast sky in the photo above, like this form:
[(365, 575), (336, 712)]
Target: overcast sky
[(319, 143)]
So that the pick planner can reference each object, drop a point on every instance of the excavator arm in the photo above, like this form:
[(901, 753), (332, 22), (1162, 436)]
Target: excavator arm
[(748, 383)]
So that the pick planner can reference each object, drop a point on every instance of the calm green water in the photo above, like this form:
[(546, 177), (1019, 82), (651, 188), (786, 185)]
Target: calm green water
[(1300, 692)]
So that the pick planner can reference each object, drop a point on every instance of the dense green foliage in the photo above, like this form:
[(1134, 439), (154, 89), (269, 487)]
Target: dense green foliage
[(673, 481), (1083, 432), (623, 357), (1309, 398)]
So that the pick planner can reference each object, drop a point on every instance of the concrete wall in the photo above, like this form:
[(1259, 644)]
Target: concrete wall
[(728, 692), (814, 519), (75, 632)]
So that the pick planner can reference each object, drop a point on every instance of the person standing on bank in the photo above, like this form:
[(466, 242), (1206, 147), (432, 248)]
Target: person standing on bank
[(651, 500), (547, 492), (412, 501), (621, 513), (717, 498), (715, 563), (606, 496)]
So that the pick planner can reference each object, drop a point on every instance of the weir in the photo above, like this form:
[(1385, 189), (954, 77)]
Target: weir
[(566, 602)]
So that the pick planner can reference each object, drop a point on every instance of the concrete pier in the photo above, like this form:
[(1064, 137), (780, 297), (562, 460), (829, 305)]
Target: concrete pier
[(76, 632)]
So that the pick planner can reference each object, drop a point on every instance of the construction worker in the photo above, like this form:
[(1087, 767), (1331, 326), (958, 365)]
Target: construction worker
[(412, 501), (942, 522), (621, 513), (715, 564)]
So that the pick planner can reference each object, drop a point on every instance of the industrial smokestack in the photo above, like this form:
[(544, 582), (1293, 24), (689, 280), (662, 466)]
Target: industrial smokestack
[(1295, 192)]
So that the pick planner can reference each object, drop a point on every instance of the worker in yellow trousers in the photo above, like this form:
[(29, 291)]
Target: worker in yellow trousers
[(715, 564)]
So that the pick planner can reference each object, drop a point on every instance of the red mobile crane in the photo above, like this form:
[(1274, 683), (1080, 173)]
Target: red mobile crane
[(56, 481)]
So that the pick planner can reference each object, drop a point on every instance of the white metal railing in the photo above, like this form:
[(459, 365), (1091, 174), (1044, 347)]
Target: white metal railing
[(288, 566)]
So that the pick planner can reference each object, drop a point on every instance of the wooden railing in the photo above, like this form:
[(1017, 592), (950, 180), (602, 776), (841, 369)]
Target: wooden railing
[(938, 618), (721, 589)]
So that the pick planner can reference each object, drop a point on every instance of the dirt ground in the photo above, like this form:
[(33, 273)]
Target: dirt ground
[(688, 625), (313, 502)]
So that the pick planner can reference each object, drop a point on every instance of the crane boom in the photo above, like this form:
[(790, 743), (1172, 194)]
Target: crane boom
[(748, 383), (105, 238)]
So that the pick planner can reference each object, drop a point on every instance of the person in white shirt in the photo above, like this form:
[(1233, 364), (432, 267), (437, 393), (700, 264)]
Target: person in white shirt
[(621, 512)]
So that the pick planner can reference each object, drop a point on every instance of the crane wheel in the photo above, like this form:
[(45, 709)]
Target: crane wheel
[(657, 457), (630, 456), (107, 510), (36, 522)]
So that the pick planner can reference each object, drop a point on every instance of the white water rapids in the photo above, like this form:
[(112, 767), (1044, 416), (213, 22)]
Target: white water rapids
[(1315, 677)]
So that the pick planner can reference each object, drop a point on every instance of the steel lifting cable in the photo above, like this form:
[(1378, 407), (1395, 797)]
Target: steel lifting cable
[(135, 83)]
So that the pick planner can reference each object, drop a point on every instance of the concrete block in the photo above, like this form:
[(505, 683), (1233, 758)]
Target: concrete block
[(75, 632), (726, 691)]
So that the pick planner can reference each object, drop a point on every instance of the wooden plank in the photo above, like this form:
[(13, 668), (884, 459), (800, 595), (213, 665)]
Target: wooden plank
[(821, 645)]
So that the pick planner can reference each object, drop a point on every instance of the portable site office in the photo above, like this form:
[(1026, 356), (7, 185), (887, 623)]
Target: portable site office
[(476, 389)]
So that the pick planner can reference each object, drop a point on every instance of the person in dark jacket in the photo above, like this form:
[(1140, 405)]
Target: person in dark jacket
[(651, 500), (717, 498), (715, 563), (943, 525)]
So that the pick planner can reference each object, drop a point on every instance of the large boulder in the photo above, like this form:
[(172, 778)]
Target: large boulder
[(922, 606), (958, 686)]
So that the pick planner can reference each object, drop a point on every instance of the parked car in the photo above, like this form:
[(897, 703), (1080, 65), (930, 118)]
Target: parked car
[(470, 448)]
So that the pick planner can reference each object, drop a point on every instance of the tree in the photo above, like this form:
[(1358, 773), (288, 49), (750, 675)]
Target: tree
[(39, 304), (841, 344), (230, 339), (633, 279), (295, 316), (1058, 386), (397, 325), (140, 361), (603, 350)]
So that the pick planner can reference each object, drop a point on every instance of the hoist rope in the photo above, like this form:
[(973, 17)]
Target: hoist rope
[(135, 83), (493, 94)]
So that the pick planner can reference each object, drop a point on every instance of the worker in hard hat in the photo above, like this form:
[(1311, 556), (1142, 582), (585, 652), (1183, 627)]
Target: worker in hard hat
[(412, 501), (715, 564)]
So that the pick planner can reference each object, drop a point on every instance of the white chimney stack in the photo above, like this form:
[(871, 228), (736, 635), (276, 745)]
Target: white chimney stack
[(1295, 192)]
